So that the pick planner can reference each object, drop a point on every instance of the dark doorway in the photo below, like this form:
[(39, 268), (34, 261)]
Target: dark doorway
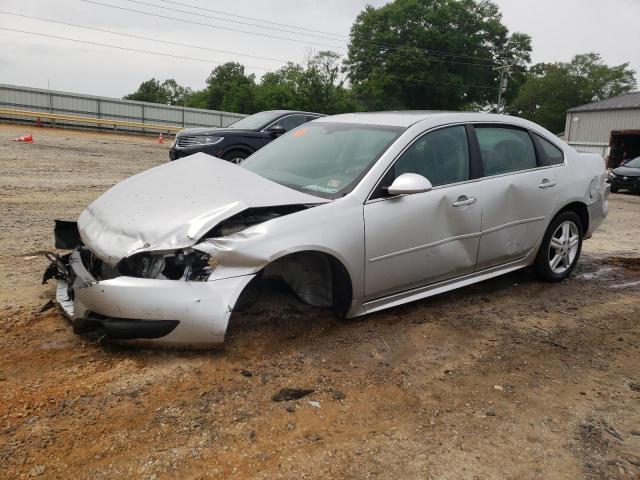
[(625, 146)]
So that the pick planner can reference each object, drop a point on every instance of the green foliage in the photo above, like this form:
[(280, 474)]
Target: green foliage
[(316, 87), (230, 89), (167, 92), (395, 58), (553, 88)]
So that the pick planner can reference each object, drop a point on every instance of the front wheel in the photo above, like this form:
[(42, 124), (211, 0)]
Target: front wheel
[(560, 248), (235, 156), (614, 189)]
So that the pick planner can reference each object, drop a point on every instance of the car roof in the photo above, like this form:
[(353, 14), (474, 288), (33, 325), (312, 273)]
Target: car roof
[(411, 117), (287, 112)]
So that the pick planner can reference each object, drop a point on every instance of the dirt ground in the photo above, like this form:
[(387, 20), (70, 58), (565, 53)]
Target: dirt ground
[(507, 379)]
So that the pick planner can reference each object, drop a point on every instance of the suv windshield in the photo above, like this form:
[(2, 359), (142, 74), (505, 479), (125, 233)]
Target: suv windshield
[(256, 121), (326, 159)]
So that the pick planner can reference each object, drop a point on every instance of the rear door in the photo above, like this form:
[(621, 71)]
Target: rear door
[(519, 193), (419, 239)]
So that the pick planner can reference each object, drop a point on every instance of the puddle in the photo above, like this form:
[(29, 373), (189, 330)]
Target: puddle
[(599, 272), (625, 285)]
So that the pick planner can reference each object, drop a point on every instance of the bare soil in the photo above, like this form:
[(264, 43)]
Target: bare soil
[(507, 379)]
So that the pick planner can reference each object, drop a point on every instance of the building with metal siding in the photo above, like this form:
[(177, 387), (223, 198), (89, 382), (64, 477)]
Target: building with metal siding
[(610, 127)]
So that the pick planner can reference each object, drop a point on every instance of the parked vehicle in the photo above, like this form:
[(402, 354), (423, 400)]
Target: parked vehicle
[(356, 212), (626, 177), (240, 139)]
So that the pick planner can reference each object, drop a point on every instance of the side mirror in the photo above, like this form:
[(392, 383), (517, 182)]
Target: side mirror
[(408, 184), (276, 130)]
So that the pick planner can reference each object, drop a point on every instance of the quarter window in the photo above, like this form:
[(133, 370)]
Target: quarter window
[(441, 156), (505, 150), (549, 154)]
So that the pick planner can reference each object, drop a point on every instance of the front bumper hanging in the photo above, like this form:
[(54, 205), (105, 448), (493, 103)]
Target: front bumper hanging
[(163, 312)]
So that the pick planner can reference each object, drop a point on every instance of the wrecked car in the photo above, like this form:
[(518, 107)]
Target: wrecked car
[(355, 213)]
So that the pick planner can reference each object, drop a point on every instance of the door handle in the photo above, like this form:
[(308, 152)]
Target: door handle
[(546, 183), (463, 201)]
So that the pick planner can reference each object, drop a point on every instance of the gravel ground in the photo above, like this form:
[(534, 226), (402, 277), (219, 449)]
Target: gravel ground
[(507, 379)]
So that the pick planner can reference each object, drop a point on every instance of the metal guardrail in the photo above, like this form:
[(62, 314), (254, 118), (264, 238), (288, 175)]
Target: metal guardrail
[(106, 110), (97, 121)]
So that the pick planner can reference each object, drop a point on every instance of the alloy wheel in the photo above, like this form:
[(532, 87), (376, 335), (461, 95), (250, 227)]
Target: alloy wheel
[(563, 247)]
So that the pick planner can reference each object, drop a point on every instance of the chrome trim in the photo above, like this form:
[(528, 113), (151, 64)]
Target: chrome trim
[(457, 237), (471, 180), (428, 245), (513, 224), (275, 122)]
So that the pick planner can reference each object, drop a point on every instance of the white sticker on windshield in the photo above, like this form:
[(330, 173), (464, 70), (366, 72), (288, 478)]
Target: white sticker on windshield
[(317, 188)]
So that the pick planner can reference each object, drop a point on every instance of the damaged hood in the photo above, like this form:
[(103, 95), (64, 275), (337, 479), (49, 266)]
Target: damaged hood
[(173, 205)]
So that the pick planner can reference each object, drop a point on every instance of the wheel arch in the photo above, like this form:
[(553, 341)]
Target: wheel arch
[(238, 147), (317, 276), (580, 209)]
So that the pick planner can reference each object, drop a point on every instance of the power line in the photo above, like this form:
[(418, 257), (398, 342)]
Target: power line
[(167, 42), (149, 52), (179, 44), (210, 25), (432, 52), (173, 9), (125, 48), (428, 51), (252, 18)]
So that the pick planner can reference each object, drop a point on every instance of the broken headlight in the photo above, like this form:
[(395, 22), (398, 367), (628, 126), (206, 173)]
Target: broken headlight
[(188, 265)]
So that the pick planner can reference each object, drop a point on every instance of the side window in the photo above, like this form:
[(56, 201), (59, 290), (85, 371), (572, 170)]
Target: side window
[(505, 150), (548, 152), (441, 156), (292, 121)]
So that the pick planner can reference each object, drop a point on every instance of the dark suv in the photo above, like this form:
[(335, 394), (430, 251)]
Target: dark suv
[(240, 139)]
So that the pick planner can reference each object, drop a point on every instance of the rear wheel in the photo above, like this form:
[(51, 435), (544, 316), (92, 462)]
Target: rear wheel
[(614, 189), (235, 156), (560, 248)]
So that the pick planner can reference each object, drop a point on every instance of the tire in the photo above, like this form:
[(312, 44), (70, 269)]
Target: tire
[(235, 156), (614, 189), (556, 261)]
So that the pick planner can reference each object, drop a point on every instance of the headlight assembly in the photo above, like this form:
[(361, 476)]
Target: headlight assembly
[(209, 140)]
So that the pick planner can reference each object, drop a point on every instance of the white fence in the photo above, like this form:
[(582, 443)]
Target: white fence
[(66, 103)]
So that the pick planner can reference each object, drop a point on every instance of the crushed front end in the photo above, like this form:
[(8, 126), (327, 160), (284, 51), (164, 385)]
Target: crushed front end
[(162, 298)]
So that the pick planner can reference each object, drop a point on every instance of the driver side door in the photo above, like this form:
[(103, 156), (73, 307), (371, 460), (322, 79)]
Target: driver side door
[(424, 238)]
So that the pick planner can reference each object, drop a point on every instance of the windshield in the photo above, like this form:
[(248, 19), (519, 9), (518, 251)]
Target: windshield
[(326, 159), (256, 121), (635, 163)]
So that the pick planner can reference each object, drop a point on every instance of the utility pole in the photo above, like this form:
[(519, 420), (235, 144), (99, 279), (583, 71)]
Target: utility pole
[(505, 72)]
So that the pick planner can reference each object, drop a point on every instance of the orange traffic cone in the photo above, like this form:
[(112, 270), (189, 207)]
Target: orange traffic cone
[(160, 139), (26, 138)]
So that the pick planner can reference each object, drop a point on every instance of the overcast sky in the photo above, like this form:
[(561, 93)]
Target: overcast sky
[(560, 29)]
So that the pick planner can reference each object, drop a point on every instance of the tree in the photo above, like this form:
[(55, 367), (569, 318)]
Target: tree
[(150, 91), (230, 89), (168, 92), (431, 54), (317, 87), (553, 88)]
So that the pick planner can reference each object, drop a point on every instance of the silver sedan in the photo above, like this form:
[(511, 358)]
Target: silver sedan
[(356, 212)]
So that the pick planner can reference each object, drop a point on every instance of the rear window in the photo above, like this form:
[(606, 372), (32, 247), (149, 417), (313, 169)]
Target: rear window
[(505, 150), (549, 154)]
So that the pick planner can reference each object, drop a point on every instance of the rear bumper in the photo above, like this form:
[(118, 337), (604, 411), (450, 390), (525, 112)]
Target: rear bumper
[(171, 313)]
